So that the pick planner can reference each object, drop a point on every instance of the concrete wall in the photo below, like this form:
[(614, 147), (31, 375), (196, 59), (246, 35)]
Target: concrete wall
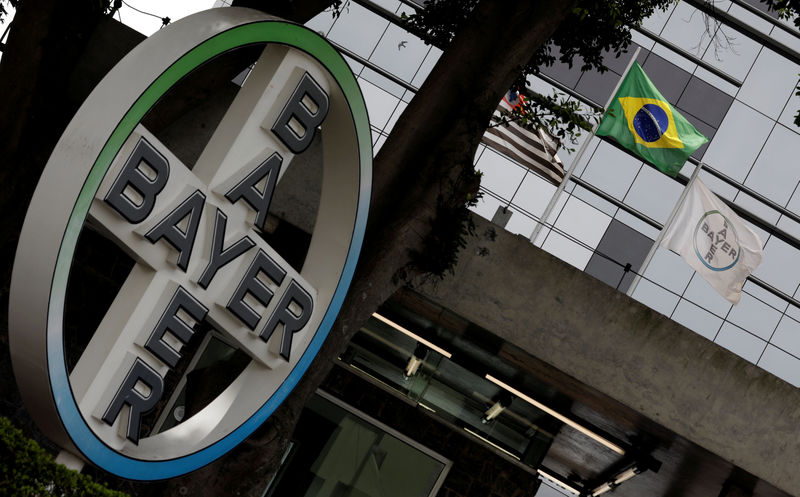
[(629, 352)]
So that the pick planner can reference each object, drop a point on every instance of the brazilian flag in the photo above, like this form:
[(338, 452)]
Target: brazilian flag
[(642, 121)]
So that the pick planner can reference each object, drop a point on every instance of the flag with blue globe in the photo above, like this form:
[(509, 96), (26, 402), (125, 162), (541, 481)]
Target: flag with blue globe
[(642, 121)]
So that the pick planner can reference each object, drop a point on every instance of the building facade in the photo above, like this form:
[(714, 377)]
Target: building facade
[(531, 364)]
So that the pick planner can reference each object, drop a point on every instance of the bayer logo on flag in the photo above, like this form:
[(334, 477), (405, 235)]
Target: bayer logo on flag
[(650, 122), (716, 242)]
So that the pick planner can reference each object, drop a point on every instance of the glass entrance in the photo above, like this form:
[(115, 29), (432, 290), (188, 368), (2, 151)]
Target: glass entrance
[(340, 452)]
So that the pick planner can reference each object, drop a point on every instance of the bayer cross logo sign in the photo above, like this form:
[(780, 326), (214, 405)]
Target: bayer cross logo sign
[(716, 243), (194, 232)]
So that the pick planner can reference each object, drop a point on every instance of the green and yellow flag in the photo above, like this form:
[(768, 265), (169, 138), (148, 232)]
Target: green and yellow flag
[(642, 121)]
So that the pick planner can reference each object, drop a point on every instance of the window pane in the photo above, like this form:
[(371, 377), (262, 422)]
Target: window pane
[(740, 342), (781, 364), (611, 170), (702, 294), (755, 316), (358, 29), (400, 53), (731, 154), (500, 175), (696, 319), (770, 83), (655, 297), (773, 175), (654, 194), (787, 336)]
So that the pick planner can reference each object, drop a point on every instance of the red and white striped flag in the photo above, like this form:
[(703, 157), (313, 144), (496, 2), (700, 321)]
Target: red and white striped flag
[(535, 150)]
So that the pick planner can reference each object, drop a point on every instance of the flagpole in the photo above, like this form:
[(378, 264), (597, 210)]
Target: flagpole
[(660, 236), (585, 145)]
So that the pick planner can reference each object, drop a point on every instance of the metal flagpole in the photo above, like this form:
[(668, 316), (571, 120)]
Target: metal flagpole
[(549, 209), (660, 236)]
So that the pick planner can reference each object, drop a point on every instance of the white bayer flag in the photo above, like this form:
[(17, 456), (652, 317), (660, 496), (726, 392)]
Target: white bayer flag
[(714, 241)]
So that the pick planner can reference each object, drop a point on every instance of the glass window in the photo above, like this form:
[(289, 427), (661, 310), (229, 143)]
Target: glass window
[(791, 41), (697, 319), (597, 86), (595, 201), (534, 194), (757, 208), (780, 266), (790, 111), (716, 81), (787, 336), (546, 490), (637, 224), (521, 224), (781, 364), (390, 5), (751, 19), (343, 452), (583, 222), (427, 65), (399, 52), (678, 60), (618, 64), (687, 29), (321, 23), (567, 250), (771, 175), (702, 294), (770, 83), (383, 82), (793, 312), (755, 316), (358, 30), (658, 19), (561, 72), (728, 152), (789, 226), (500, 175), (643, 41), (733, 55), (567, 156), (654, 194), (655, 297), (670, 79), (401, 106), (705, 102), (380, 104), (718, 187), (740, 342), (669, 270), (378, 143), (612, 170), (355, 66), (620, 245), (765, 295)]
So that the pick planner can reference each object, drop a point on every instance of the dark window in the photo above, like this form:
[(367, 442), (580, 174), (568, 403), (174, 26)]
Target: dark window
[(619, 246)]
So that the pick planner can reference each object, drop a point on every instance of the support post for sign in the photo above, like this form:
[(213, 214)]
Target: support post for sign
[(660, 236), (585, 145), (70, 460)]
